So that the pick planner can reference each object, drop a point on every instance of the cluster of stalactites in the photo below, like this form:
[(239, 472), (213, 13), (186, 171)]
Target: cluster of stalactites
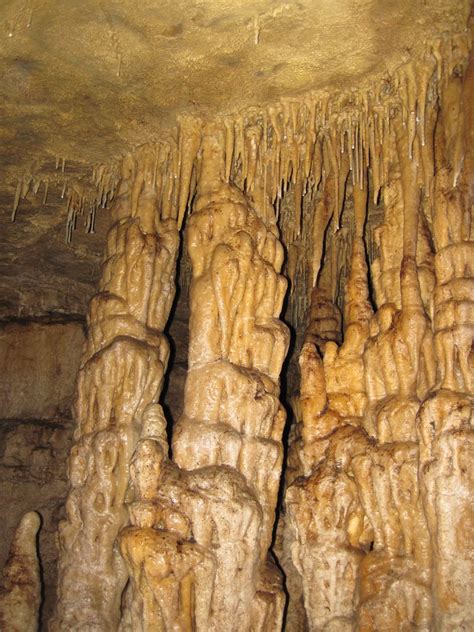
[(311, 147), (301, 154)]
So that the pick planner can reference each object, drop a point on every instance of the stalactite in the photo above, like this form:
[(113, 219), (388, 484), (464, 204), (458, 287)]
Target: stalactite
[(190, 140), (119, 383), (16, 200), (323, 213), (302, 141)]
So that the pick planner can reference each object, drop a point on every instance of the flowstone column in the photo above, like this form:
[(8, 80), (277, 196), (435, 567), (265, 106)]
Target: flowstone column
[(445, 421), (328, 527), (229, 436), (359, 527), (395, 574), (118, 386), (383, 516)]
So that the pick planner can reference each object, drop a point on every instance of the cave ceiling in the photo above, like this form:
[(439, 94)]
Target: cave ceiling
[(83, 82)]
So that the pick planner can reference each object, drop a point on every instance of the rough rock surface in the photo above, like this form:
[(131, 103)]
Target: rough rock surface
[(20, 586), (38, 368), (119, 73), (88, 82), (39, 362)]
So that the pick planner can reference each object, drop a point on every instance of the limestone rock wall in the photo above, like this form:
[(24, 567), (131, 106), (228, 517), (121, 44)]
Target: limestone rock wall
[(39, 362), (33, 459), (38, 365)]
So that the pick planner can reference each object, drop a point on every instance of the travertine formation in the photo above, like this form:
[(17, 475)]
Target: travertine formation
[(118, 386), (376, 523), (381, 517)]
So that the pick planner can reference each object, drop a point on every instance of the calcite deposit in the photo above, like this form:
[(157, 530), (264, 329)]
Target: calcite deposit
[(308, 251)]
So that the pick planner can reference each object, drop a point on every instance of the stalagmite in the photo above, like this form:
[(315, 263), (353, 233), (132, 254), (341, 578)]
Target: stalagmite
[(172, 577), (328, 527), (118, 387), (20, 586)]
